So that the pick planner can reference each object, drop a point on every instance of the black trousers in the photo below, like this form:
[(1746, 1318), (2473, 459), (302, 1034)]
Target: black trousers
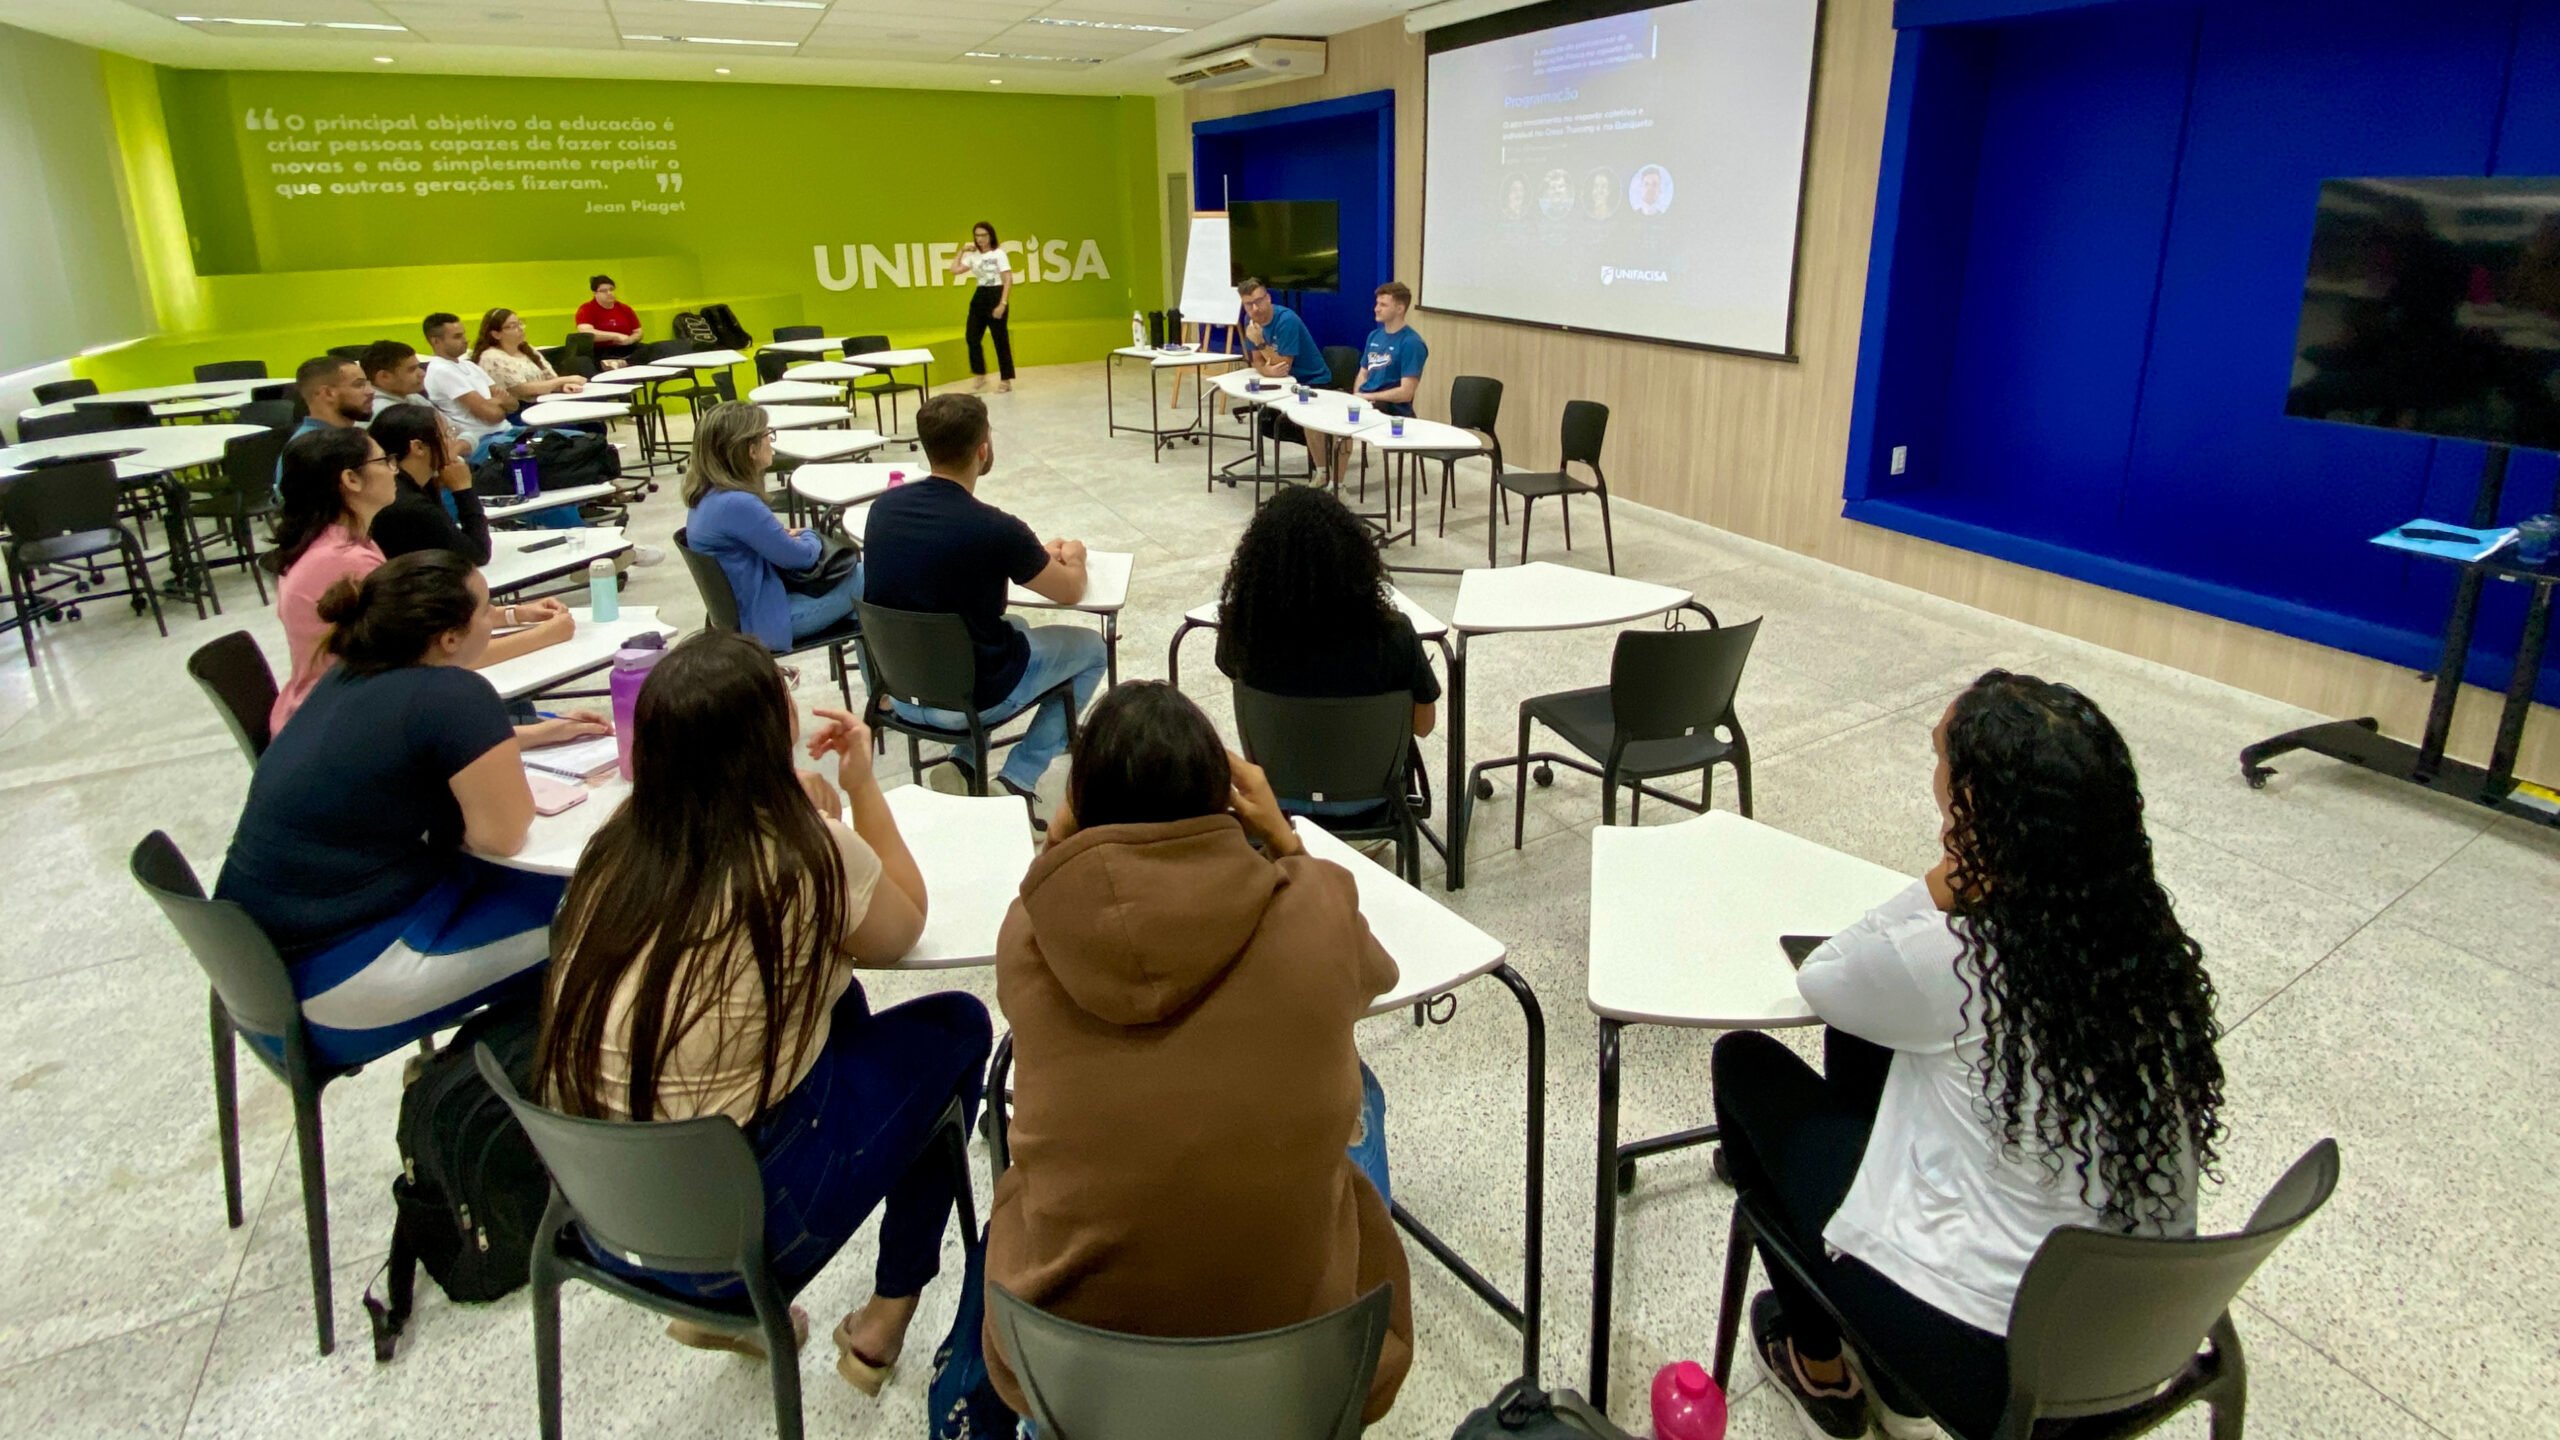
[(983, 318), (1796, 1138)]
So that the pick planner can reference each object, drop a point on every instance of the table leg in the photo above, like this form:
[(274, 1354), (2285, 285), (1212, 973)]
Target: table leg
[(1604, 1217), (2511, 718), (1110, 414), (1111, 647), (1534, 1198), (1461, 794), (1155, 417)]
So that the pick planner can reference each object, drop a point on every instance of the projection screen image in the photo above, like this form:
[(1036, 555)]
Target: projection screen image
[(1638, 174)]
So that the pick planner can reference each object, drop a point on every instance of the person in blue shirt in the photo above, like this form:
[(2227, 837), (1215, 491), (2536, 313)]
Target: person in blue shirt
[(726, 518), (1280, 347), (336, 395), (1390, 361)]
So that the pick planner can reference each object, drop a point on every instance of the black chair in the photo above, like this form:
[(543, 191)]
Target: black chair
[(1307, 1381), (770, 364), (564, 360), (233, 674), (1586, 423), (251, 994), (1669, 691), (580, 348), (798, 332), (2111, 1333), (65, 518), (54, 392), (1475, 403), (232, 370), (1344, 362), (115, 414), (277, 415), (32, 428), (244, 493), (681, 1195), (1340, 750), (928, 660), (883, 384), (720, 609)]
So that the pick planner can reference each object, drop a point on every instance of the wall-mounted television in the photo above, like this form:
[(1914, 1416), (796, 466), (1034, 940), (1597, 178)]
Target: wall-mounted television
[(1288, 244), (2433, 306)]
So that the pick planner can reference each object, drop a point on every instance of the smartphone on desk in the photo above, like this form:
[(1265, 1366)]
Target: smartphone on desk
[(550, 796), (1800, 946), (546, 544)]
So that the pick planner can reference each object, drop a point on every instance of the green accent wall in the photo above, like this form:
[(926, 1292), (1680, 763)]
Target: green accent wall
[(325, 209)]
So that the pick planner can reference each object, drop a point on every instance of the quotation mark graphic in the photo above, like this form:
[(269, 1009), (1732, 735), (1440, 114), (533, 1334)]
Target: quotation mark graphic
[(670, 181), (255, 121)]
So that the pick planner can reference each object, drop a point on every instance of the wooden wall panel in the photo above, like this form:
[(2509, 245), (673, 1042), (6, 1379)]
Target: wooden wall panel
[(1758, 447)]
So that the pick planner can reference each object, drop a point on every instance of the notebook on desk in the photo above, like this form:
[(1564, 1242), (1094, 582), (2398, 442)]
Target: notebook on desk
[(590, 759)]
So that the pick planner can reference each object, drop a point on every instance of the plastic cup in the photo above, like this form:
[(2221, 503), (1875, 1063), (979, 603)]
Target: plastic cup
[(2534, 539), (1395, 426), (1355, 413)]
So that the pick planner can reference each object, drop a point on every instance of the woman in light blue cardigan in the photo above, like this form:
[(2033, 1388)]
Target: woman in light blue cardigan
[(727, 519)]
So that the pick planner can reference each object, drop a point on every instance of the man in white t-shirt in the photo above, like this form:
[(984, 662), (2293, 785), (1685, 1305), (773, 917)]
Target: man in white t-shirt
[(477, 407)]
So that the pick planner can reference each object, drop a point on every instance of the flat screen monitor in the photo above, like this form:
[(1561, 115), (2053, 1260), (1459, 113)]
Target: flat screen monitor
[(2433, 306), (1287, 244)]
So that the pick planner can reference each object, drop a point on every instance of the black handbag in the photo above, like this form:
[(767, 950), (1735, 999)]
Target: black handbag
[(835, 564)]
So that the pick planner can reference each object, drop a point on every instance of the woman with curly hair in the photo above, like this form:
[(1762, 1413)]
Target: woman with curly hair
[(1305, 612), (2021, 1041)]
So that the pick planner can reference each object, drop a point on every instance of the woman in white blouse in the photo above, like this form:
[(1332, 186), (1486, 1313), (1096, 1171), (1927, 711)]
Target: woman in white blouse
[(2021, 1041), (984, 259), (500, 349)]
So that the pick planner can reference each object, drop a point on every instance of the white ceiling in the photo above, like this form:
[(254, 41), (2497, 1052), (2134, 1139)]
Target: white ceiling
[(938, 44)]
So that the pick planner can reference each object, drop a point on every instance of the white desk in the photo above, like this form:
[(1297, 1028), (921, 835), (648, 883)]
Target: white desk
[(160, 409), (634, 374), (1205, 617), (1685, 921), (807, 445), (841, 485), (805, 417), (1106, 592), (818, 345), (514, 562), (836, 372), (794, 392), (579, 409), (699, 360), (892, 359), (507, 507), (589, 647), (1158, 361), (1538, 596), (234, 390), (154, 449)]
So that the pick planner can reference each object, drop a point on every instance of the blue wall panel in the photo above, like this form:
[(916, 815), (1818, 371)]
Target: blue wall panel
[(1338, 150)]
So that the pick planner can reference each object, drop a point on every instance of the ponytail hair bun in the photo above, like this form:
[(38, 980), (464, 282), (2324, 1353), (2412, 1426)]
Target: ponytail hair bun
[(389, 618)]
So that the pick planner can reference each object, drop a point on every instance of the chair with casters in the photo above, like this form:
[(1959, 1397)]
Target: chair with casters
[(1307, 1381), (101, 415), (1586, 423), (234, 675), (720, 611), (66, 518), (1669, 692), (54, 392), (1475, 403), (927, 660), (1340, 750), (252, 995), (880, 385), (232, 370), (679, 1195), (244, 493), (2111, 1333)]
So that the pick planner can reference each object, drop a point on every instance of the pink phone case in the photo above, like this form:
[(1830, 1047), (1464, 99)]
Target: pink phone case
[(550, 796)]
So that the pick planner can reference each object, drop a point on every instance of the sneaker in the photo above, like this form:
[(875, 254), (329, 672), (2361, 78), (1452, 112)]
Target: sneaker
[(1895, 1424), (951, 778), (647, 555), (1030, 802), (1823, 1412)]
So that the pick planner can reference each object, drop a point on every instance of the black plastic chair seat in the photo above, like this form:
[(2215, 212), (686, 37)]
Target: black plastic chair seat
[(79, 545), (1538, 484), (1583, 719)]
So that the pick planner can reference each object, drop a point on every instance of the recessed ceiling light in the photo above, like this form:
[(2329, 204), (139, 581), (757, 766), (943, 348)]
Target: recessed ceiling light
[(227, 20), (719, 69), (645, 37), (1109, 25), (995, 82), (1030, 59), (771, 4), (362, 25), (381, 59), (728, 40)]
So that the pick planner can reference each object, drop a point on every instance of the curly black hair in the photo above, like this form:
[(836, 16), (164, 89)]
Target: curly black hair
[(2098, 1011), (1306, 583)]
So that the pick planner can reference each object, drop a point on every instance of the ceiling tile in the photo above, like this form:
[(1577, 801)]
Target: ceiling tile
[(311, 12), (534, 22), (920, 11), (743, 22)]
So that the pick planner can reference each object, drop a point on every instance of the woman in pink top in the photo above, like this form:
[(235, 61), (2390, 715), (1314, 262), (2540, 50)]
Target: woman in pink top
[(331, 484)]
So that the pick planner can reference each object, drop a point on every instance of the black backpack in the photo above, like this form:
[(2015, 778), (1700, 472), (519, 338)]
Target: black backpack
[(1524, 1412), (565, 458), (471, 1190), (726, 332)]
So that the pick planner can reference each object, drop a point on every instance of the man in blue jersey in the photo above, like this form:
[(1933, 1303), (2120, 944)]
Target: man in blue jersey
[(1280, 347), (1390, 362)]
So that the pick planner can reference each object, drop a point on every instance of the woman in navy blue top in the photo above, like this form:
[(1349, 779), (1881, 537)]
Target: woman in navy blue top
[(727, 519)]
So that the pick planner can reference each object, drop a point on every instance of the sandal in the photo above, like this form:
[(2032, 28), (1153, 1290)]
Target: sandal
[(749, 1343), (860, 1372)]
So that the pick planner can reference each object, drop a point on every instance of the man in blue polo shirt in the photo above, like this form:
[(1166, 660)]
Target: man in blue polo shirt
[(1280, 347), (1391, 362)]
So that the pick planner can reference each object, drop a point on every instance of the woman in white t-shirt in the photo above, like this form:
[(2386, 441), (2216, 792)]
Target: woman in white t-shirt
[(2021, 1041), (985, 260)]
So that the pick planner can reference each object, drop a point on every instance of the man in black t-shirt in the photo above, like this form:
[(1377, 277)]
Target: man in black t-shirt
[(932, 545)]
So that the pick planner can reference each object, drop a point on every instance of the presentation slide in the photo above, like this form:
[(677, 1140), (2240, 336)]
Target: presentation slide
[(1637, 174)]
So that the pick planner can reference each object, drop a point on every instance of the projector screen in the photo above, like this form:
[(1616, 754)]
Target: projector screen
[(1637, 174)]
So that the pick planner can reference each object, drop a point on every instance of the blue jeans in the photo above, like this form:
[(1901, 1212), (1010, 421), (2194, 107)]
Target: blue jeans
[(497, 442), (850, 1138), (813, 613), (1058, 652)]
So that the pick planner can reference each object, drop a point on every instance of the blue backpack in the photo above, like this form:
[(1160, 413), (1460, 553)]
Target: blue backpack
[(962, 1403)]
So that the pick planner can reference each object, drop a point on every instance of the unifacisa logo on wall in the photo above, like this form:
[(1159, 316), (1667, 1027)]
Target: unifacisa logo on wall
[(908, 264)]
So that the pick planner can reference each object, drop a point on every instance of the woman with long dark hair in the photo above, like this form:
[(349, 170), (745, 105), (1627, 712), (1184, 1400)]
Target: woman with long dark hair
[(726, 518), (983, 260), (2023, 1040), (709, 943), (1197, 1149), (501, 349), (349, 852)]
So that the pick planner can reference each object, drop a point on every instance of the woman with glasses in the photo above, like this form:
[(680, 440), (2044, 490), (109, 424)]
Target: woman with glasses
[(726, 518), (500, 349)]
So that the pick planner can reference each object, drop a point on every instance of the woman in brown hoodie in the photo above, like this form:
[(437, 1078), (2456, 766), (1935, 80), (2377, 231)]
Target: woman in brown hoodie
[(1186, 1083)]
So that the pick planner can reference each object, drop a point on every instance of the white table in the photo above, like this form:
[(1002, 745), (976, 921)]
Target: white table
[(843, 484), (793, 392), (633, 374), (1106, 593), (894, 360), (1685, 921), (508, 507), (809, 445), (589, 647), (699, 360), (160, 409), (805, 417), (515, 561), (1538, 596), (152, 450), (836, 372), (1158, 361), (579, 409), (237, 391), (817, 345), (1205, 617)]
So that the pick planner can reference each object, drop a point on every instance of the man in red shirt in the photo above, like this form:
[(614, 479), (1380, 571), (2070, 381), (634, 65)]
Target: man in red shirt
[(616, 326)]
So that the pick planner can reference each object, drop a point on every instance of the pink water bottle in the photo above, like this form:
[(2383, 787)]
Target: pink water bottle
[(1687, 1405), (631, 665)]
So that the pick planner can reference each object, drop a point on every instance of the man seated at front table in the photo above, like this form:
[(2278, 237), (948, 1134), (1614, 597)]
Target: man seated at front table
[(1390, 362), (933, 546), (615, 325), (395, 375), (1280, 347), (335, 396), (478, 410)]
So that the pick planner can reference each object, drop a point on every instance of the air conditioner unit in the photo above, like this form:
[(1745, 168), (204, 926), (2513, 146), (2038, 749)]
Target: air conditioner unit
[(1255, 62)]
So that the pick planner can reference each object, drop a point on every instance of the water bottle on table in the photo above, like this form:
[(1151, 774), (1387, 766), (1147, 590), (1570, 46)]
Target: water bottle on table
[(631, 666), (524, 471), (604, 604)]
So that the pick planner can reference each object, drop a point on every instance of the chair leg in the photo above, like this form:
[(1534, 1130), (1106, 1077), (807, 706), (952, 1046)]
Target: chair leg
[(1520, 784), (782, 1356), (1737, 1282), (1564, 507), (1608, 533), (138, 575), (1528, 507), (1635, 802), (1742, 771), (226, 1108), (315, 1211), (246, 540), (546, 1338), (1608, 797), (915, 766), (22, 602), (2229, 1398)]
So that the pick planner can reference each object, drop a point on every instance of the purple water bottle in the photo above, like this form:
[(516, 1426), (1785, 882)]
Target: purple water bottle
[(631, 665), (1687, 1405), (524, 470)]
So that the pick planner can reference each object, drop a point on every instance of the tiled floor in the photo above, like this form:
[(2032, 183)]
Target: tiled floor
[(2384, 959)]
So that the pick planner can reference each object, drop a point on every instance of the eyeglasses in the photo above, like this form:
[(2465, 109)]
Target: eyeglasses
[(379, 460), (767, 437)]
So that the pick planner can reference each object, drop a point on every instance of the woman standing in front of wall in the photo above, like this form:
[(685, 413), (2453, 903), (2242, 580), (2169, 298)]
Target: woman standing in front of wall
[(985, 259)]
